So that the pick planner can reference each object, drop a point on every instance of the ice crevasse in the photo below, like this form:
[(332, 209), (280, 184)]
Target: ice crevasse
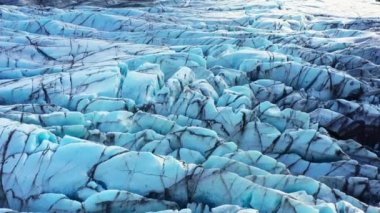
[(189, 106)]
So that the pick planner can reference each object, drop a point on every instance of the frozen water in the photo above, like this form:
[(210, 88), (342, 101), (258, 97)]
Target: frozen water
[(189, 106)]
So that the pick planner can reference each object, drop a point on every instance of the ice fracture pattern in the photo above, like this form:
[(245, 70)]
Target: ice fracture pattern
[(190, 106)]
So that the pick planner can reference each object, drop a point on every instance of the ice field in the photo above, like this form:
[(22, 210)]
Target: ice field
[(190, 106)]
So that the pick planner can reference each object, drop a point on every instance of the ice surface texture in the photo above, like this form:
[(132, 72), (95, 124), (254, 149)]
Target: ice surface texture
[(189, 106)]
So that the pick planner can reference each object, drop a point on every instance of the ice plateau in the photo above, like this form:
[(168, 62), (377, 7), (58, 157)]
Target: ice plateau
[(190, 106)]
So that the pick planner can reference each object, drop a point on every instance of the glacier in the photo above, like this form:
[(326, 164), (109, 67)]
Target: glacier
[(189, 106)]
